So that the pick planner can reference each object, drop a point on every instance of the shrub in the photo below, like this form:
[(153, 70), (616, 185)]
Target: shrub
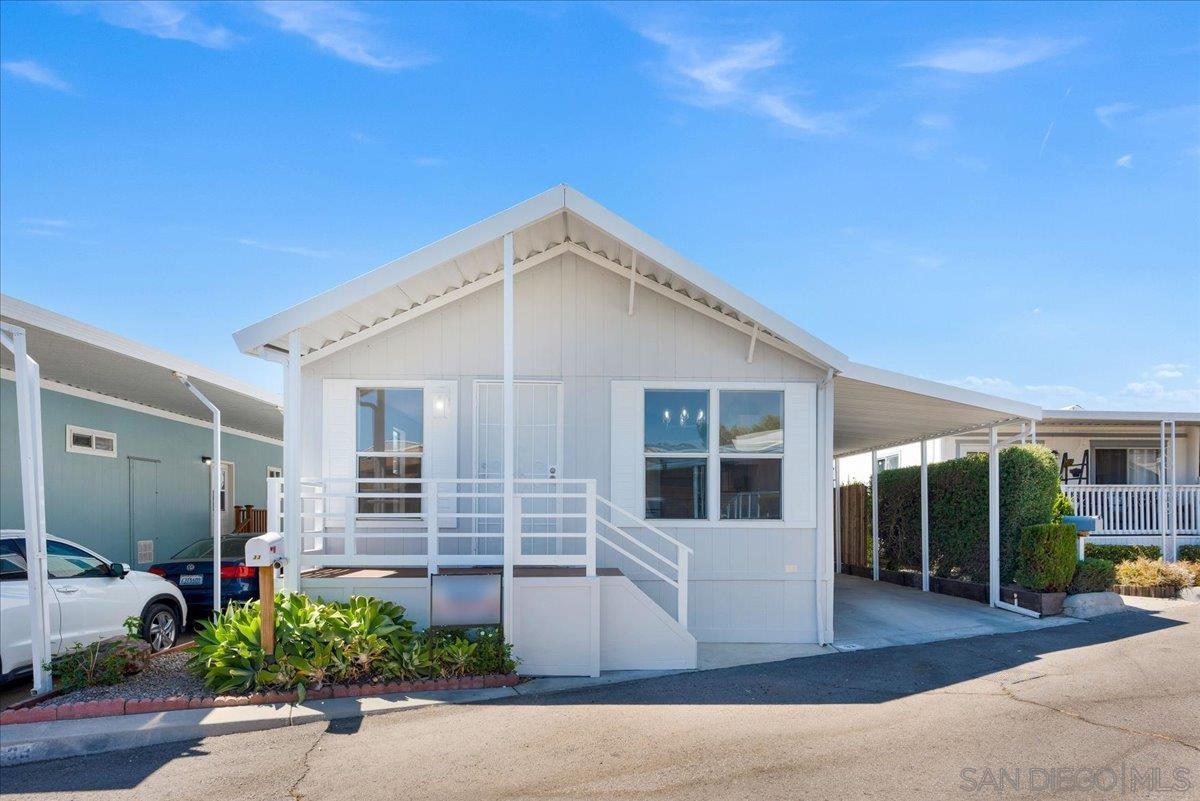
[(1093, 575), (1144, 572), (958, 511), (319, 642), (100, 664), (1121, 553), (1062, 507), (1189, 553), (1046, 557), (1194, 569)]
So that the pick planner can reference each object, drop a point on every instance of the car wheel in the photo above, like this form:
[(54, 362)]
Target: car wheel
[(160, 626)]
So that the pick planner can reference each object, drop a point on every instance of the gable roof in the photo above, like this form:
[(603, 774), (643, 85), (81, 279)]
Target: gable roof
[(83, 357), (559, 220)]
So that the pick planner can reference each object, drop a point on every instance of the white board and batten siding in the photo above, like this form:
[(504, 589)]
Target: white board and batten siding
[(749, 582)]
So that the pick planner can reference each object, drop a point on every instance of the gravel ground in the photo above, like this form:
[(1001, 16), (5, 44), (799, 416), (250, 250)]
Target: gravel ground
[(164, 676)]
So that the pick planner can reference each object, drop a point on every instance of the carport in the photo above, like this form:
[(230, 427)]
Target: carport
[(876, 409)]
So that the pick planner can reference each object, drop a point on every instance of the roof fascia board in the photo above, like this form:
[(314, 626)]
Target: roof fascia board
[(21, 311), (950, 432), (639, 240), (1089, 416), (526, 213), (934, 389)]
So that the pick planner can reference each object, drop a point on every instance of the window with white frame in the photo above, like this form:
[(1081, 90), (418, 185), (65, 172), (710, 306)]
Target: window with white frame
[(91, 442), (390, 445), (274, 472), (889, 462), (744, 452)]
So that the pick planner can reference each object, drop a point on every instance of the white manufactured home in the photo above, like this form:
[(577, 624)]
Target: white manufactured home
[(642, 453)]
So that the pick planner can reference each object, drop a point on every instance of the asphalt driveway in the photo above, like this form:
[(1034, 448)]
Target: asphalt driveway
[(1059, 710)]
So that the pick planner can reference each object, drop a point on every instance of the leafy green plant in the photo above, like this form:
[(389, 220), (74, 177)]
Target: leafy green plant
[(1189, 553), (100, 664), (133, 626), (1121, 553), (1144, 572), (1093, 575), (1062, 507), (1046, 557)]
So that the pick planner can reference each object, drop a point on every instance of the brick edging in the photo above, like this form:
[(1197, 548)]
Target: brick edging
[(134, 706)]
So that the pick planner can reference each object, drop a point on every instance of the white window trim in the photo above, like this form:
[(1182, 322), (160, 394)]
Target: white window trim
[(93, 433), (714, 455), (278, 471)]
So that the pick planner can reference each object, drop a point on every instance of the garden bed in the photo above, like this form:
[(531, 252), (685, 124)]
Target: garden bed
[(1145, 592), (910, 578)]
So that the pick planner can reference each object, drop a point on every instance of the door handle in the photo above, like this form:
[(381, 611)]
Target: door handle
[(69, 588)]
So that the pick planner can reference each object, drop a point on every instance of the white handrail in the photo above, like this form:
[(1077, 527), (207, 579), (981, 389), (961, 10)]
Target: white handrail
[(639, 521)]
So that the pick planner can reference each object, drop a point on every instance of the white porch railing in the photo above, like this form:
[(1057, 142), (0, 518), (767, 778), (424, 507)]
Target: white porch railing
[(1137, 509), (459, 522)]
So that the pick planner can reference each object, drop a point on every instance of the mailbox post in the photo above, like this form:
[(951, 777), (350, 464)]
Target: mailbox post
[(267, 553)]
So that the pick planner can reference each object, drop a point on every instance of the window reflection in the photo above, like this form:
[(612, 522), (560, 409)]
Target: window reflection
[(751, 422), (676, 421)]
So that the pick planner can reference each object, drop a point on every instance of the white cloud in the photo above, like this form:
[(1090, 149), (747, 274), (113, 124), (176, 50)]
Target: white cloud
[(1168, 370), (44, 226), (1125, 161), (294, 250), (35, 73), (428, 161), (997, 54), (1106, 113), (935, 121), (340, 29), (161, 19), (1144, 394), (713, 74)]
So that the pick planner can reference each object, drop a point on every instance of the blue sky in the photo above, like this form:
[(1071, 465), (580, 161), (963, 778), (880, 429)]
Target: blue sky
[(1005, 197)]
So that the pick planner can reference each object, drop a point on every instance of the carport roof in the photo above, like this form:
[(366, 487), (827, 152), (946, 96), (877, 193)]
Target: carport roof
[(875, 409), (91, 359)]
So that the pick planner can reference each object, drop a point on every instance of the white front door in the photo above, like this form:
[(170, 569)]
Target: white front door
[(227, 498), (539, 437)]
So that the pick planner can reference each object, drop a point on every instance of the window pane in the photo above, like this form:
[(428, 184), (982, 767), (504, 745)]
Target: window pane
[(12, 561), (676, 421), (750, 489), (389, 467), (676, 489), (66, 561), (751, 422), (81, 440), (390, 420), (1142, 466), (1110, 466), (104, 444)]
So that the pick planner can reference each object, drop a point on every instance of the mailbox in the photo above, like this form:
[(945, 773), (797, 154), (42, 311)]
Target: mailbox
[(266, 550)]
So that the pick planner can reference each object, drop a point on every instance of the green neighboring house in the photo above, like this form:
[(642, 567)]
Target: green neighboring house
[(125, 443)]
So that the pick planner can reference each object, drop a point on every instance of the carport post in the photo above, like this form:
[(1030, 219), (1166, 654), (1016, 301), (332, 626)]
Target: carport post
[(1174, 501), (837, 516), (33, 500), (993, 518), (924, 517), (1162, 485), (214, 494), (874, 517)]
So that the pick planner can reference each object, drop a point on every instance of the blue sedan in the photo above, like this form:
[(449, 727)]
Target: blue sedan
[(192, 571)]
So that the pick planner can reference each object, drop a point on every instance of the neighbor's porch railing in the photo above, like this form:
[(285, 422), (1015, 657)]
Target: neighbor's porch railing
[(1136, 509), (460, 522)]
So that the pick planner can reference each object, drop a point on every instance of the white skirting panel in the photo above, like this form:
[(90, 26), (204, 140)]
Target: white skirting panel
[(557, 626), (411, 593), (635, 632)]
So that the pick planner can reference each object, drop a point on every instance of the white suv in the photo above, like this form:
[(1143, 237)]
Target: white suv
[(90, 598)]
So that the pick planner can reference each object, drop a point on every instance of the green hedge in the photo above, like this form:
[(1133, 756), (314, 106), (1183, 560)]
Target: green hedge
[(1121, 553), (1045, 558), (958, 511), (1189, 553), (1093, 575)]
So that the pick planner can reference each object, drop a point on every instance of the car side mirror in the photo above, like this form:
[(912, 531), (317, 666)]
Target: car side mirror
[(119, 569)]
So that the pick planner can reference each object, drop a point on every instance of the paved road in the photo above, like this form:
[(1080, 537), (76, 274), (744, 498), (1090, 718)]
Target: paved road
[(1114, 696)]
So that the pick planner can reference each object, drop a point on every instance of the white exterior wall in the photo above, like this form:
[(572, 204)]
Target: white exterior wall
[(572, 324)]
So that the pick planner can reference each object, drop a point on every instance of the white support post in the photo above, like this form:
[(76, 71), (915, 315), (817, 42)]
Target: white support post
[(214, 493), (292, 464), (1024, 430), (431, 522), (825, 535), (350, 527), (590, 539), (924, 516), (1162, 485), (1033, 432), (633, 274), (682, 594), (33, 500), (1174, 501), (837, 516), (993, 518), (512, 538), (874, 516)]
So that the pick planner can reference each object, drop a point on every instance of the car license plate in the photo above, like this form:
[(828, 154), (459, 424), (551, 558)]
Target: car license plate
[(190, 581)]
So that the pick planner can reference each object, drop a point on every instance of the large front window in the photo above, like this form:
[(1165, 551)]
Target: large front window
[(742, 457), (391, 445), (1126, 466)]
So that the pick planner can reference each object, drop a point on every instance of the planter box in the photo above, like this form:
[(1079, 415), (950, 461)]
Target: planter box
[(857, 570), (905, 578), (1045, 603), (959, 589), (1145, 592)]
